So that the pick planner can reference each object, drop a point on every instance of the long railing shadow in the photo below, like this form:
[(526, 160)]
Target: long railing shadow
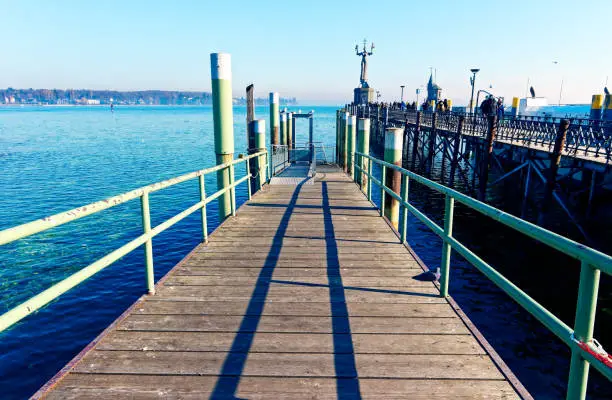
[(347, 383), (233, 366)]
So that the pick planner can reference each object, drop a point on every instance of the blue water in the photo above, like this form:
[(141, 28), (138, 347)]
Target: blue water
[(56, 158)]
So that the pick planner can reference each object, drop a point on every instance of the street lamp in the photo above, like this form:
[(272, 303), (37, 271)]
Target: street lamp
[(473, 82), (402, 96)]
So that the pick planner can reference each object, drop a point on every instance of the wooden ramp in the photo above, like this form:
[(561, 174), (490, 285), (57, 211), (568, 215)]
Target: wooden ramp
[(306, 293)]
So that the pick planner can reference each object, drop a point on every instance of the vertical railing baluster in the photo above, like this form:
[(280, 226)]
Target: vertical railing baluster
[(446, 248), (146, 227), (203, 210), (233, 190), (248, 181), (382, 190), (404, 226), (583, 330), (370, 162)]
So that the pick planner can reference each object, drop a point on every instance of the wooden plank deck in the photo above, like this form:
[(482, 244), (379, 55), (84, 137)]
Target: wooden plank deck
[(306, 293)]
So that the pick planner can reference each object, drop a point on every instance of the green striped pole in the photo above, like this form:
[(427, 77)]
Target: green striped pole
[(289, 134), (274, 134), (283, 128), (338, 137), (221, 74), (351, 144), (363, 144), (393, 155)]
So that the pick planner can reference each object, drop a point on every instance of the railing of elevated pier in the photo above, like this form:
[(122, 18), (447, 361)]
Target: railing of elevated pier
[(22, 231), (585, 349), (587, 137)]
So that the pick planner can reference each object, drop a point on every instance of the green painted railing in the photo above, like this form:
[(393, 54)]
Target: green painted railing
[(12, 234), (592, 263)]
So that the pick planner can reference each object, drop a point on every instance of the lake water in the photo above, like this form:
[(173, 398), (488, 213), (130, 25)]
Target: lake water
[(56, 158)]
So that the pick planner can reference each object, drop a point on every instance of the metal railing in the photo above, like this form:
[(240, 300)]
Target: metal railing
[(280, 159), (12, 234), (586, 137), (580, 338)]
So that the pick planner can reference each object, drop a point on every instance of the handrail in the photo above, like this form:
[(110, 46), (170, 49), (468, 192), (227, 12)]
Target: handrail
[(592, 262), (12, 234)]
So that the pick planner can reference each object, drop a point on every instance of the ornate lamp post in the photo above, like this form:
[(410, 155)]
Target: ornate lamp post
[(473, 82)]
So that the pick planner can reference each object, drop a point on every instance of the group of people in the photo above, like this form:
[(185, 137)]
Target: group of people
[(490, 107)]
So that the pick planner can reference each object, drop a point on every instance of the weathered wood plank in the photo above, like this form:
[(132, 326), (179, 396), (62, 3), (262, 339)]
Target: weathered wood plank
[(101, 386), (369, 282), (292, 324), (292, 343), (281, 272), (438, 310)]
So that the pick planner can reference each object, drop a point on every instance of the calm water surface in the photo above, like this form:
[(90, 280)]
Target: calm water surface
[(54, 159)]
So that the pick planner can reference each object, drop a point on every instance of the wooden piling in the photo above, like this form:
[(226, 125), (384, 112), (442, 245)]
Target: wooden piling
[(257, 143), (393, 155), (274, 119), (488, 155), (363, 146), (351, 144), (555, 160)]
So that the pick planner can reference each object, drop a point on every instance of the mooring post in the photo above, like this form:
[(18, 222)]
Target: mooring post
[(607, 112), (456, 150), (221, 73), (250, 114), (338, 137), (257, 143), (352, 128), (596, 104), (415, 139), (393, 155), (283, 128), (555, 160), (274, 120), (488, 155), (290, 132), (363, 146), (588, 288), (515, 107)]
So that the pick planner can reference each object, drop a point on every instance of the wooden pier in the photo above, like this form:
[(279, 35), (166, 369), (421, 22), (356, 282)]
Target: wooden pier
[(305, 293)]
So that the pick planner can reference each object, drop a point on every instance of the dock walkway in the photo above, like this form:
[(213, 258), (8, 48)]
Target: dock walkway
[(306, 293)]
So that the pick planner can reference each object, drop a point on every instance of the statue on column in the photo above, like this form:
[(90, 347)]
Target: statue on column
[(363, 79)]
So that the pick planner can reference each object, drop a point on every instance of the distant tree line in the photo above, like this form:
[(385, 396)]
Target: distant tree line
[(138, 97)]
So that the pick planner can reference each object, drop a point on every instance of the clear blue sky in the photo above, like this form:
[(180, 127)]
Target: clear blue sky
[(306, 49)]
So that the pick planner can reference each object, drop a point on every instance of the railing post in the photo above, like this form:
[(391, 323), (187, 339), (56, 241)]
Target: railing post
[(274, 128), (345, 155), (393, 155), (404, 225), (369, 180), (221, 73), (352, 127), (449, 206), (248, 173), (146, 227), (203, 211), (383, 179), (583, 330), (363, 144)]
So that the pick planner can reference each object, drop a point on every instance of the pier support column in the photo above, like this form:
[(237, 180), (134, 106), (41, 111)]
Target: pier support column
[(432, 142), (596, 104), (456, 150), (415, 139), (363, 146), (488, 155), (274, 119), (351, 144), (393, 179), (221, 73), (555, 160), (257, 143)]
